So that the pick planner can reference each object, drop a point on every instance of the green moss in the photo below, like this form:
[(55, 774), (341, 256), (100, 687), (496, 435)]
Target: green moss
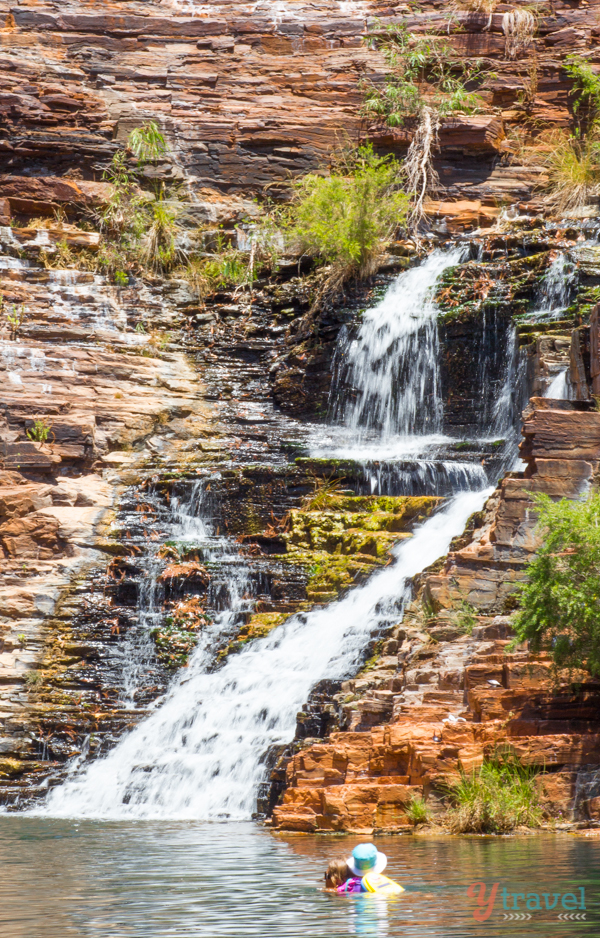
[(258, 625), (341, 544)]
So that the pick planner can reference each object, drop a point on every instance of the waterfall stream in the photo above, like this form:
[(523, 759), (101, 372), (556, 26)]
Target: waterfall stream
[(200, 753)]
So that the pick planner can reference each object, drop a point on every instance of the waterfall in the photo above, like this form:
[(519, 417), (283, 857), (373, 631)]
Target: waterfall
[(199, 754), (392, 364), (555, 289), (558, 389)]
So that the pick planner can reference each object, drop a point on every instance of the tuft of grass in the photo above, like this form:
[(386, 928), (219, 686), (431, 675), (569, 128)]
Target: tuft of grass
[(497, 799), (34, 677), (573, 171), (159, 250), (324, 490), (417, 811)]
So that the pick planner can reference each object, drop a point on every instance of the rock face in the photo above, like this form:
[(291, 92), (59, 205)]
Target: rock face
[(248, 93), (82, 399), (105, 423), (446, 692)]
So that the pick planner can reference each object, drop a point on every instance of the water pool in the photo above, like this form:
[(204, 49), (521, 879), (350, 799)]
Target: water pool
[(149, 879)]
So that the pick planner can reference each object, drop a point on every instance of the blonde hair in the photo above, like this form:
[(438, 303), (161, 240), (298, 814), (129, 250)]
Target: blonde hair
[(337, 873)]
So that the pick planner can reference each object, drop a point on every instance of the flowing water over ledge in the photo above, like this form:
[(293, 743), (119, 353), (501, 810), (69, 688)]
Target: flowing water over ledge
[(66, 879)]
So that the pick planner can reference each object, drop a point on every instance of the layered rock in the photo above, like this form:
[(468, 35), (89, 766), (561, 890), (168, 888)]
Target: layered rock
[(83, 396), (447, 691), (248, 93)]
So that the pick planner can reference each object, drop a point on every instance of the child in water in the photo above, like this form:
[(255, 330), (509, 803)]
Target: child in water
[(362, 872)]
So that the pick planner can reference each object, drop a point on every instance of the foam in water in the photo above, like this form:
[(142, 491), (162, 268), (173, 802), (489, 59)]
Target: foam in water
[(198, 755)]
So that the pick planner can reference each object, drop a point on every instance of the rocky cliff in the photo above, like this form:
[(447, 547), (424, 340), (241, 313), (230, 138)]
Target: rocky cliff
[(446, 691), (121, 403)]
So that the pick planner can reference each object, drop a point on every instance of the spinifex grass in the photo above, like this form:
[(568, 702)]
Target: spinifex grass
[(417, 811), (498, 798), (573, 171)]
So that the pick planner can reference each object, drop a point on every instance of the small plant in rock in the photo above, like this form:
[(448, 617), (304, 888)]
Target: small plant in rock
[(22, 639), (158, 251), (519, 27), (34, 677), (466, 618), (416, 810), (159, 340), (560, 603), (501, 796), (121, 278), (39, 431), (147, 143), (586, 91), (15, 316), (325, 489)]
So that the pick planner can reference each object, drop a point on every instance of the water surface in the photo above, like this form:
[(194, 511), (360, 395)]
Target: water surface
[(150, 879)]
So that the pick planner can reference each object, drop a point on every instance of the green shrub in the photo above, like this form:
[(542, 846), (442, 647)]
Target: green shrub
[(39, 431), (501, 796), (560, 604), (417, 811), (586, 87), (347, 218), (425, 72)]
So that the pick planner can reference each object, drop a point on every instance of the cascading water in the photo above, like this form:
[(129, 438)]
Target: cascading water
[(392, 364), (200, 753), (555, 288), (559, 389)]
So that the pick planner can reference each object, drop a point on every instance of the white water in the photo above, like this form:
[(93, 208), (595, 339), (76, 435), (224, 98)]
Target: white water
[(558, 389), (198, 755), (555, 289), (392, 364)]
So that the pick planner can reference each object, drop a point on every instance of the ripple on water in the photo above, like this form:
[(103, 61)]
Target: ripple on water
[(140, 879)]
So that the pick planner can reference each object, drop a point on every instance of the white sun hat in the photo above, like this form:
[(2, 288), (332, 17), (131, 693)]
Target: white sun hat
[(366, 858)]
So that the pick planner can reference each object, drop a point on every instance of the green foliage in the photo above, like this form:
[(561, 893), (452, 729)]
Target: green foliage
[(498, 798), (121, 278), (15, 316), (40, 430), (347, 218), (586, 86), (560, 604), (466, 617), (147, 143), (159, 251), (424, 72), (417, 811)]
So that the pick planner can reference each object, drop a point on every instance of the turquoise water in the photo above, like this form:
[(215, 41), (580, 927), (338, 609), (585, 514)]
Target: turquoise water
[(135, 880)]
